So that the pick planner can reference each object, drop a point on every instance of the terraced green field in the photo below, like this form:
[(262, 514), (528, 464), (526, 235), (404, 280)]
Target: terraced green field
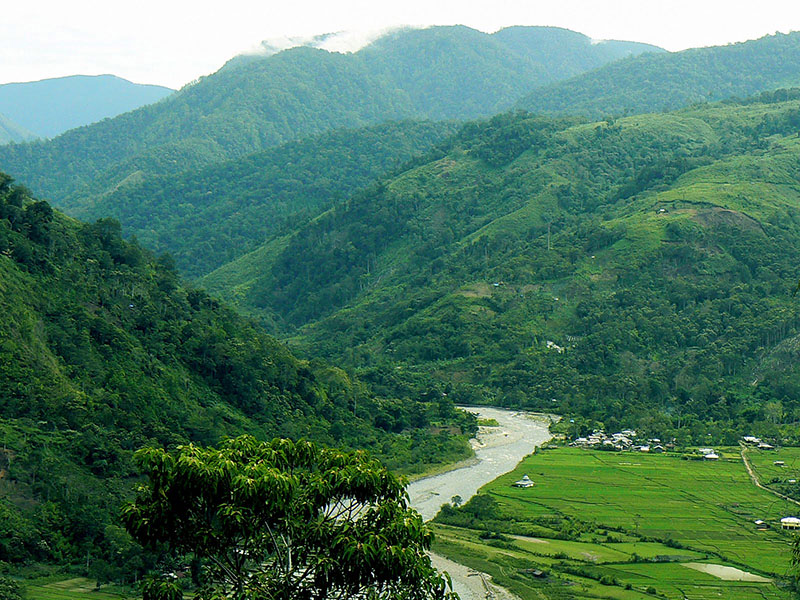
[(77, 588), (630, 524)]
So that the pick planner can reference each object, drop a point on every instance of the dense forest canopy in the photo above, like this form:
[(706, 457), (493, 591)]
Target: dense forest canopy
[(668, 81), (210, 216), (103, 351), (633, 271)]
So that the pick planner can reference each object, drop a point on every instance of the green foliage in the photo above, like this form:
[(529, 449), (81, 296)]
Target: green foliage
[(210, 216), (102, 351), (285, 519), (656, 251), (9, 589), (667, 81)]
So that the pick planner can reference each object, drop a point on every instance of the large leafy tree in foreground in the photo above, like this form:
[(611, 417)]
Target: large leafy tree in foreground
[(286, 519)]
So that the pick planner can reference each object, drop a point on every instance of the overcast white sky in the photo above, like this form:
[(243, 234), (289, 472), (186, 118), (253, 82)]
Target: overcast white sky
[(172, 42)]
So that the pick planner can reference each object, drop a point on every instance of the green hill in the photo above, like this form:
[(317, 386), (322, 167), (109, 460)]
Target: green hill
[(667, 81), (210, 216), (636, 271), (103, 351), (52, 106), (255, 104)]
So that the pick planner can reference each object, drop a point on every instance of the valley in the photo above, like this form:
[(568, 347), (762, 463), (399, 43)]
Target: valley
[(550, 280)]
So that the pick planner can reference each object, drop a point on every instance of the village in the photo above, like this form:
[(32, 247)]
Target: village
[(627, 440)]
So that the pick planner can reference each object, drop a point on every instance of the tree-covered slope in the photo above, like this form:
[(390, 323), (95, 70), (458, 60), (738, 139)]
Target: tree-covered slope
[(52, 106), (667, 81), (635, 271), (210, 216), (103, 351), (12, 132), (247, 106), (546, 47)]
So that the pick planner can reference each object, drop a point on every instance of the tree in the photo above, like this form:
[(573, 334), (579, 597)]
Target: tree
[(286, 519), (9, 589)]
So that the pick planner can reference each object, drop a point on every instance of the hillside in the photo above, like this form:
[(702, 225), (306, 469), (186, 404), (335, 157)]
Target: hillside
[(634, 272), (103, 351), (52, 106), (210, 216), (255, 104), (667, 81), (12, 132)]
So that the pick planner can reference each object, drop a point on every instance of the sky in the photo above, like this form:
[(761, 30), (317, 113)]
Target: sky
[(173, 42)]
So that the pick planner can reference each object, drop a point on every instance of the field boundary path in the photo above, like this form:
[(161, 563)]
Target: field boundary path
[(756, 482)]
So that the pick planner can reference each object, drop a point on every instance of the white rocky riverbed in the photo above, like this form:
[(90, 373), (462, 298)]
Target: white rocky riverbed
[(497, 451)]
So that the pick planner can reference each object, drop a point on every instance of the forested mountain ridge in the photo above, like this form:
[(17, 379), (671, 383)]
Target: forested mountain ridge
[(52, 106), (252, 105), (668, 81), (210, 216), (103, 351), (635, 271)]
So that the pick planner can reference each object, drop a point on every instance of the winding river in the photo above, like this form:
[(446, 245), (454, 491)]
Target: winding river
[(497, 451)]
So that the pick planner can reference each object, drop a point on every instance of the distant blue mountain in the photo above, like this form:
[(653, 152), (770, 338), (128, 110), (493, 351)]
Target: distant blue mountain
[(52, 106), (12, 132)]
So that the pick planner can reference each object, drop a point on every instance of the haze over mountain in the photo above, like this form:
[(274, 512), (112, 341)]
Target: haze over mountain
[(666, 81), (254, 104), (12, 132), (52, 106)]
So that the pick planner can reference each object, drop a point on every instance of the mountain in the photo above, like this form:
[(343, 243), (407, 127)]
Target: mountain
[(104, 351), (258, 103), (52, 106), (632, 272), (11, 132), (667, 81), (210, 216)]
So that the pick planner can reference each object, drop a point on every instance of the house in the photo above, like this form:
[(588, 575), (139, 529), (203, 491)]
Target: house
[(765, 446), (525, 482), (779, 463), (658, 448), (711, 456), (705, 450), (761, 525), (749, 439), (790, 523)]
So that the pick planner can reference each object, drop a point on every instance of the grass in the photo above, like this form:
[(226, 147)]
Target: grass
[(642, 515), (76, 588)]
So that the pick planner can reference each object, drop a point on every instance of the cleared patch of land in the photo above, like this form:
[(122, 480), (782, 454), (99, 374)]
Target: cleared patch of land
[(726, 573)]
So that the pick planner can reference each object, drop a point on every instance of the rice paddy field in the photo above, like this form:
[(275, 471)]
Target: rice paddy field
[(629, 525), (782, 476), (76, 588)]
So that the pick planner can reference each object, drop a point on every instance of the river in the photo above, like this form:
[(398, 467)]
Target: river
[(497, 451)]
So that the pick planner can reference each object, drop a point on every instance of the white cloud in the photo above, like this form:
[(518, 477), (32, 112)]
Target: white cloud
[(174, 41)]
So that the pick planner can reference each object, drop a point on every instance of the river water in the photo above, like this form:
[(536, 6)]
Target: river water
[(497, 451)]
